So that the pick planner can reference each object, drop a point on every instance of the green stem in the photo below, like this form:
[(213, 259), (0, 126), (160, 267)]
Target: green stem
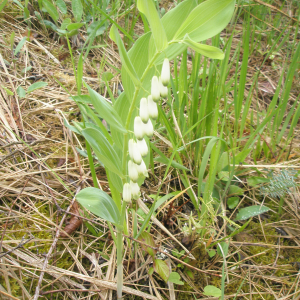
[(91, 162)]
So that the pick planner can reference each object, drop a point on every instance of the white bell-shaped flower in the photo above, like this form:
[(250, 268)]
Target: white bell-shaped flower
[(163, 89), (142, 145), (127, 192), (142, 169), (134, 152), (155, 90), (144, 114), (132, 171), (165, 72), (138, 128), (148, 128), (135, 190), (152, 108)]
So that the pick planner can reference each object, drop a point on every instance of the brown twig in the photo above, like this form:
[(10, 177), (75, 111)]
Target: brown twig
[(21, 244)]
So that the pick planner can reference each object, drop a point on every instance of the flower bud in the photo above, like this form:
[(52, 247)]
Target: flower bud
[(142, 169), (148, 128), (152, 108), (163, 89), (155, 90), (127, 192), (138, 128), (165, 72), (142, 145), (135, 190), (144, 110), (132, 171), (134, 152)]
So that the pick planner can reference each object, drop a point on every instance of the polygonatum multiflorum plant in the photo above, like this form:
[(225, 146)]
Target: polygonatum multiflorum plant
[(123, 146)]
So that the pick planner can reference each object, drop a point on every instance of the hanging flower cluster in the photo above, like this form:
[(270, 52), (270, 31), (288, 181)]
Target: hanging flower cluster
[(143, 127)]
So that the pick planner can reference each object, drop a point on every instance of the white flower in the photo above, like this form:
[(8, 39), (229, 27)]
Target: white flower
[(134, 152), (138, 128), (148, 128), (127, 192), (144, 110), (152, 108), (135, 190), (155, 90), (142, 169), (132, 171), (165, 72), (142, 145), (163, 89)]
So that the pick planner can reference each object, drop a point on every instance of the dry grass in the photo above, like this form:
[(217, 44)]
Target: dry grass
[(41, 171)]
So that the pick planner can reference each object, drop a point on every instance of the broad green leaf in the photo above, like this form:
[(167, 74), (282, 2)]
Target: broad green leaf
[(36, 86), (147, 7), (211, 253), (127, 64), (211, 290), (2, 5), (173, 19), (82, 98), (50, 8), (50, 24), (147, 239), (21, 92), (161, 267), (235, 190), (251, 211), (106, 111), (99, 203), (74, 26), (65, 23), (206, 20), (232, 202), (20, 45), (19, 4), (77, 9), (206, 50), (103, 150), (62, 6), (175, 278)]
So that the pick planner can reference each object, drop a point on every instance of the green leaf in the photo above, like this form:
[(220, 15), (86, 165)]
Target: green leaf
[(174, 164), (161, 267), (206, 50), (62, 6), (253, 181), (20, 45), (77, 9), (2, 5), (251, 211), (106, 111), (206, 20), (147, 238), (211, 253), (235, 190), (211, 290), (49, 24), (232, 202), (36, 86), (74, 26), (173, 19), (148, 8), (50, 8), (175, 278), (126, 63), (100, 204), (65, 23), (103, 150), (224, 247), (21, 92)]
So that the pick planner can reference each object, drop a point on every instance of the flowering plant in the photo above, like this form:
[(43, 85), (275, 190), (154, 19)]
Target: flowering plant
[(124, 148)]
